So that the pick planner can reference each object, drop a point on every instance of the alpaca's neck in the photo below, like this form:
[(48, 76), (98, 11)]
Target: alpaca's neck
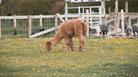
[(56, 39)]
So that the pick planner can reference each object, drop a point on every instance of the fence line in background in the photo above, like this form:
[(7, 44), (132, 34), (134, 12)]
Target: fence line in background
[(12, 22), (50, 20), (49, 23)]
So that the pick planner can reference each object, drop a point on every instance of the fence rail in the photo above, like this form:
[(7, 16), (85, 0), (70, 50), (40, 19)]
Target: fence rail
[(35, 25), (123, 20), (24, 25)]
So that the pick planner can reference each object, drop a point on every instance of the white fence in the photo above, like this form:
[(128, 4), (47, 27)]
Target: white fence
[(18, 25), (10, 24), (121, 21), (36, 25)]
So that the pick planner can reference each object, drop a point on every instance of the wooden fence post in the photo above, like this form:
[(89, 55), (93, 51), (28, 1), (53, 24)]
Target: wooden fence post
[(116, 17), (15, 25), (109, 10), (0, 30), (122, 23), (79, 10), (29, 26), (66, 10), (106, 18), (129, 21), (117, 22), (56, 22), (126, 6), (41, 22), (88, 19), (103, 7)]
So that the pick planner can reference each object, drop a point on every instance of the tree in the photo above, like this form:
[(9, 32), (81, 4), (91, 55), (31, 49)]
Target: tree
[(35, 7), (58, 7)]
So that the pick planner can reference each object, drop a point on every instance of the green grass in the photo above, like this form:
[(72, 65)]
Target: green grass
[(22, 57)]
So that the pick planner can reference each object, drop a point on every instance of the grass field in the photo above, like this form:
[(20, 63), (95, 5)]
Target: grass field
[(116, 57)]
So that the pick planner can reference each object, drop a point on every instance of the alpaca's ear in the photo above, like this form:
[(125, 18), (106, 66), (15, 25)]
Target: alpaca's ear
[(48, 45)]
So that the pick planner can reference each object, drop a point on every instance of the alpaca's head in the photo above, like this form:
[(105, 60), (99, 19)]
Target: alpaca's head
[(48, 45)]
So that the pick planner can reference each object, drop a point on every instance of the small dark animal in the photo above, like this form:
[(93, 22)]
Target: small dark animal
[(128, 31), (135, 29), (132, 29), (104, 29)]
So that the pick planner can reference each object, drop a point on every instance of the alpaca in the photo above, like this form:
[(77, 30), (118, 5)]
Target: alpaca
[(104, 29), (128, 30), (132, 30), (135, 29), (69, 29)]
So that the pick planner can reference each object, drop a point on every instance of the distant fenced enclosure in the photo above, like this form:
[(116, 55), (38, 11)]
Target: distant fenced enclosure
[(8, 30), (18, 26), (46, 25), (27, 26)]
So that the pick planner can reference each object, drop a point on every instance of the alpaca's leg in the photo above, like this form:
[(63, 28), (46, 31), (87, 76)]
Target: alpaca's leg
[(134, 33), (82, 42), (71, 45), (67, 43)]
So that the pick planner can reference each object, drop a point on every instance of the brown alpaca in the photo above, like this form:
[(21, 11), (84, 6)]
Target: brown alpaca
[(68, 30)]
